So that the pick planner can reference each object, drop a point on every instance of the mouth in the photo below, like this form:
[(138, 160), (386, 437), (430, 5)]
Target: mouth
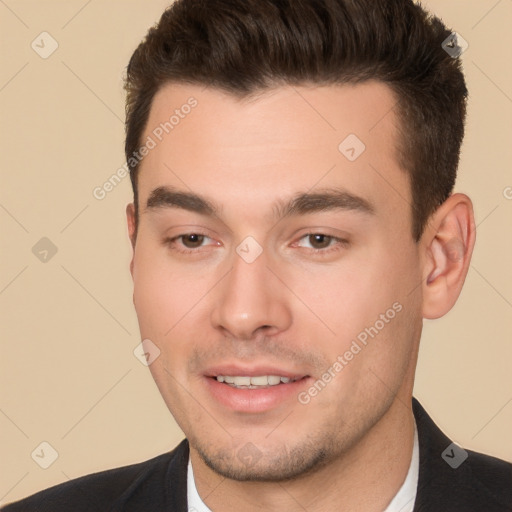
[(254, 390), (254, 382)]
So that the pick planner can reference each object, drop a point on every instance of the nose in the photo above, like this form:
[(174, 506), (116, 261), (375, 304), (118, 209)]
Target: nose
[(251, 300)]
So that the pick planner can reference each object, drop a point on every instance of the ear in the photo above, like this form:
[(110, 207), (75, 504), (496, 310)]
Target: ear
[(130, 218), (447, 245)]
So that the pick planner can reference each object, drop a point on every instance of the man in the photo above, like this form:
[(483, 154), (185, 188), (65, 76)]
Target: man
[(293, 222)]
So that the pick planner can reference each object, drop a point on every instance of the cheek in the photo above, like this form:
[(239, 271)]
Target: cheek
[(169, 299), (162, 298), (159, 294), (351, 296), (153, 303)]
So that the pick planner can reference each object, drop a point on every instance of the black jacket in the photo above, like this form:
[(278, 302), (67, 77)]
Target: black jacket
[(478, 484)]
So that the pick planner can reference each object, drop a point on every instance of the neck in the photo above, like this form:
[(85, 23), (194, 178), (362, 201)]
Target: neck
[(366, 478)]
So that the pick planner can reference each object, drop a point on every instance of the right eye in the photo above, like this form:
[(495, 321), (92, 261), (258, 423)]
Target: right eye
[(191, 242)]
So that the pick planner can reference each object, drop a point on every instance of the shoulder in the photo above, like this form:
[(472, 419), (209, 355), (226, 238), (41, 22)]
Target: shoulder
[(480, 483), (492, 477), (147, 482), (454, 479)]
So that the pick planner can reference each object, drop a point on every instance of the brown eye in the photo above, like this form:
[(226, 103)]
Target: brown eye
[(321, 244), (191, 244), (319, 241), (192, 241)]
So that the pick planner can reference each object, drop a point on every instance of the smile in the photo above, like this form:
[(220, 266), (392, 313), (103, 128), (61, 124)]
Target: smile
[(256, 382)]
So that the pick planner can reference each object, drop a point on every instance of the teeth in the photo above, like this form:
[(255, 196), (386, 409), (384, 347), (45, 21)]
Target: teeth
[(242, 381), (253, 382), (259, 381)]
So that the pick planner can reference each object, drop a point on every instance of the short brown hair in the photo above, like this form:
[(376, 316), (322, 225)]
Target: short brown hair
[(247, 46)]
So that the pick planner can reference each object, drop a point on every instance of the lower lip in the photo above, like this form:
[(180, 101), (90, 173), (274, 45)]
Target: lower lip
[(255, 400)]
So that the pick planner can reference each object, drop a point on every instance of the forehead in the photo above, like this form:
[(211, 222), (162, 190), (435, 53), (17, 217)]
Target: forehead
[(274, 144)]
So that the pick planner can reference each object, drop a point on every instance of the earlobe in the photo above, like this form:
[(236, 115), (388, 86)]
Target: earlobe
[(448, 244)]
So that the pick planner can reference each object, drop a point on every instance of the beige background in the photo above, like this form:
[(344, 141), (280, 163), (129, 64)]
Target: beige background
[(69, 376)]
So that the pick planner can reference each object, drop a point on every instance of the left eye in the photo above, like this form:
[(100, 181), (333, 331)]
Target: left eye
[(320, 241)]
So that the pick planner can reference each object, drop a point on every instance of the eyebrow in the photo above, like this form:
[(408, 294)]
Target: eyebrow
[(327, 199)]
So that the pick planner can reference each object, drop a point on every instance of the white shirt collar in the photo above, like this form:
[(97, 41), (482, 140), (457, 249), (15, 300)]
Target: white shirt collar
[(406, 496), (195, 503), (402, 502)]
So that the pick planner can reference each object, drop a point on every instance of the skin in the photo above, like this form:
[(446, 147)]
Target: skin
[(350, 446)]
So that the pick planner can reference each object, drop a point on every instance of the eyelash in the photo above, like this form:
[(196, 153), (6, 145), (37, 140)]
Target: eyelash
[(341, 243)]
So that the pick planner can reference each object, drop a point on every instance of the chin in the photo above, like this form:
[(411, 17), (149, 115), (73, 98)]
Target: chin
[(250, 464)]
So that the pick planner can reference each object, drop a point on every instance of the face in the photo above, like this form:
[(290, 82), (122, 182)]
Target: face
[(275, 271)]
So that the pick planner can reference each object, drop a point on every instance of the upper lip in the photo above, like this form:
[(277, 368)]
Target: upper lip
[(252, 371)]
